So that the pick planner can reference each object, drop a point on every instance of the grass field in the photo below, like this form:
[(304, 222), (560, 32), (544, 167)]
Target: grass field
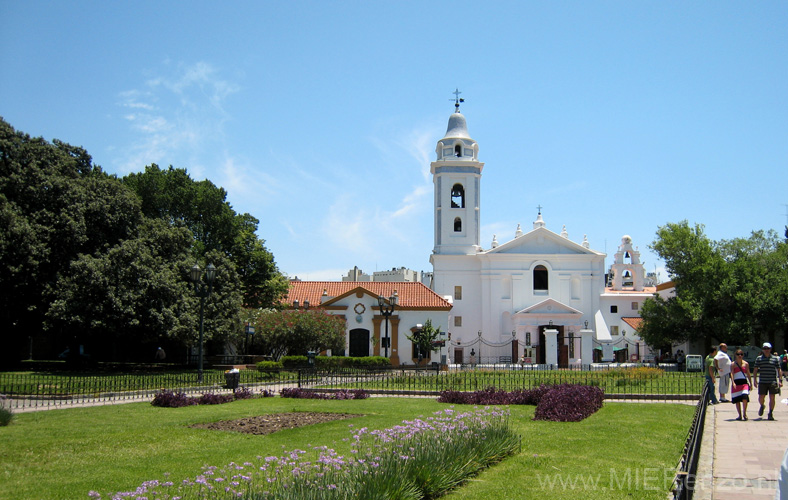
[(624, 451)]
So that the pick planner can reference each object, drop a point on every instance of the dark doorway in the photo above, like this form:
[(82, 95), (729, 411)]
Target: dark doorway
[(359, 342), (563, 349), (458, 355)]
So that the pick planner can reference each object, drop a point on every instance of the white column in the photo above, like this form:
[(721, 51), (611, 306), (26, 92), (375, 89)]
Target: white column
[(587, 346), (551, 347)]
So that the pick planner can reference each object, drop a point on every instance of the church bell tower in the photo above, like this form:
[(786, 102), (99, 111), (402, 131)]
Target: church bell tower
[(456, 175)]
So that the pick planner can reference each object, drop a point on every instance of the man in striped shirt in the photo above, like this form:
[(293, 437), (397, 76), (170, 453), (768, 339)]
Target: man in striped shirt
[(770, 380)]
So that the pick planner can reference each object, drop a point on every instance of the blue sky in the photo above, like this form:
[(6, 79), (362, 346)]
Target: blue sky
[(321, 118)]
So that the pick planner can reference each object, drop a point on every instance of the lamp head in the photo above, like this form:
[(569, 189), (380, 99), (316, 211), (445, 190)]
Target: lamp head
[(210, 273), (194, 273)]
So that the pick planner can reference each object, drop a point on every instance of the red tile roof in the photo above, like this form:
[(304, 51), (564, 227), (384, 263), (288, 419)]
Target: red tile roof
[(412, 295), (634, 322)]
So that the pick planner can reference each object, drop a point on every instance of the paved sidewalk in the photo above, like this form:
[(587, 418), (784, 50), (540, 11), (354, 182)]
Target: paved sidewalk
[(741, 459)]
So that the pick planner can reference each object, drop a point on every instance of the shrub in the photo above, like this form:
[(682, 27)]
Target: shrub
[(569, 403), (214, 399), (490, 396), (351, 394), (327, 362), (298, 393), (265, 393), (368, 361), (169, 399), (294, 361), (242, 393), (263, 366)]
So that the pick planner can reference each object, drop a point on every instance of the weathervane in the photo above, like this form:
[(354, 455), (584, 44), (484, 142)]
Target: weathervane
[(457, 100)]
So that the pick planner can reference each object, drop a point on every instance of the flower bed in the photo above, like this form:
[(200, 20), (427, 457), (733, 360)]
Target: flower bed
[(169, 399), (298, 393), (418, 459), (558, 403)]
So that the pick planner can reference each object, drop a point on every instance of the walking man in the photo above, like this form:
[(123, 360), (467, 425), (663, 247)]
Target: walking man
[(723, 365), (770, 379)]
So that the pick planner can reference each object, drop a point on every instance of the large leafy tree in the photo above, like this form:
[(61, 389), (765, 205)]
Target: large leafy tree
[(294, 332), (202, 207), (55, 205), (86, 260), (731, 290)]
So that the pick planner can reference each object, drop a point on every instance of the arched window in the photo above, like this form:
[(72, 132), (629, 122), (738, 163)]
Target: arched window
[(457, 150), (457, 196), (540, 278), (457, 225)]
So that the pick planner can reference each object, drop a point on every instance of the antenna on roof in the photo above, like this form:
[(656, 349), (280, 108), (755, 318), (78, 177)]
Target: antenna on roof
[(457, 100)]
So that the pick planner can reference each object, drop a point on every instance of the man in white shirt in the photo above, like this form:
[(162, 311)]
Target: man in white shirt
[(723, 365)]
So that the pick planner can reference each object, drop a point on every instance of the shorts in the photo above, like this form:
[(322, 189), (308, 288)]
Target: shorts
[(725, 383), (773, 388)]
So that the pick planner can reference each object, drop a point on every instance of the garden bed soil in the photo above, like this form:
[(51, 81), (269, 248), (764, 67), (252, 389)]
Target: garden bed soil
[(267, 424)]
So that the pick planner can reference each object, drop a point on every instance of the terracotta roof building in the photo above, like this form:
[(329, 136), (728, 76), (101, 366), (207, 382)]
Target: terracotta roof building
[(370, 333)]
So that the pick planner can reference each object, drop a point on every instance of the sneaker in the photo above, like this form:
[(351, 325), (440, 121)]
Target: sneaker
[(738, 418), (771, 417), (723, 400), (745, 417), (760, 412)]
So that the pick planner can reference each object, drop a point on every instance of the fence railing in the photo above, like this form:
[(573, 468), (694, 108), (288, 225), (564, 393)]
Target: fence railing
[(686, 477), (25, 390)]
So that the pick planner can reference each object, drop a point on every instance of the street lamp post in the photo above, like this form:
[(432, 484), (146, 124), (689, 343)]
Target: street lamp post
[(249, 330), (386, 310), (203, 291), (480, 346)]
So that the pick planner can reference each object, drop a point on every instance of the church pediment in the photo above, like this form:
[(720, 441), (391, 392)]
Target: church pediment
[(549, 306), (541, 241)]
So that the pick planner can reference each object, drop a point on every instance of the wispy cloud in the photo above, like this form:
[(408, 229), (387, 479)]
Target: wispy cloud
[(175, 118)]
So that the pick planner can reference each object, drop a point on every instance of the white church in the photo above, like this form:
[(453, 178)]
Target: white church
[(539, 298)]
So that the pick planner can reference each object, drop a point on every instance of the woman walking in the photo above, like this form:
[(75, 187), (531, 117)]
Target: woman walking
[(741, 380)]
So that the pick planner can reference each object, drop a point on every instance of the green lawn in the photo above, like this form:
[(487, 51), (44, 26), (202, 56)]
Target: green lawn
[(66, 453)]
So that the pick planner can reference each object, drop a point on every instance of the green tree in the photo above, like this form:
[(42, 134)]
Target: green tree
[(424, 339), (55, 206), (202, 207), (293, 332), (732, 290)]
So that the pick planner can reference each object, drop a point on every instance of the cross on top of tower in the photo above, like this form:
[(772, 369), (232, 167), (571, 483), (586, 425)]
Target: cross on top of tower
[(457, 100), (539, 207)]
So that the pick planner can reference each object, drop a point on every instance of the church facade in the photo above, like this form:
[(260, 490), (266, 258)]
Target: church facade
[(539, 297)]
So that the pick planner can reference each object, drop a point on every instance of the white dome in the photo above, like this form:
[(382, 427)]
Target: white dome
[(458, 128)]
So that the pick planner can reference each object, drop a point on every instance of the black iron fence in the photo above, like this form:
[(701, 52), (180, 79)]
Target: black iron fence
[(686, 477), (24, 390)]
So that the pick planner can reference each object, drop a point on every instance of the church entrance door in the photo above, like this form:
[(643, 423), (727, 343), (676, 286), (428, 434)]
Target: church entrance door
[(359, 342), (458, 355), (562, 348)]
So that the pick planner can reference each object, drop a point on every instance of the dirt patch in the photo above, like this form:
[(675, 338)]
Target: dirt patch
[(267, 424)]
